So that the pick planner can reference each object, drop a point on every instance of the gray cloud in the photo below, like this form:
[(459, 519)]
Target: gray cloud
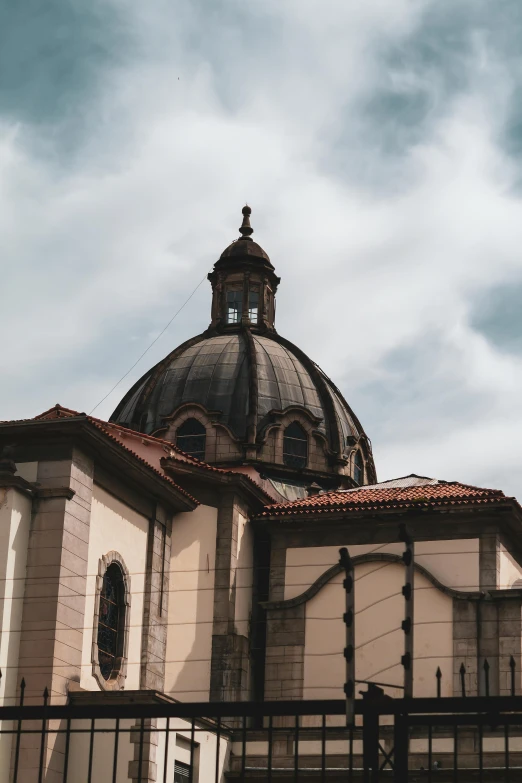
[(377, 144)]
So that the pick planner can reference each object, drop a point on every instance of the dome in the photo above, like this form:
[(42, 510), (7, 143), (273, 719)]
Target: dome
[(244, 247), (248, 392), (220, 374)]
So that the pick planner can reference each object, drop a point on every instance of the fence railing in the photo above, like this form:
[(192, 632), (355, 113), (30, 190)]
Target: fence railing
[(139, 736)]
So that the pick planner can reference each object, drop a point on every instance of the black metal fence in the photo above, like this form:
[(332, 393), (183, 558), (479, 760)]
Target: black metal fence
[(139, 737)]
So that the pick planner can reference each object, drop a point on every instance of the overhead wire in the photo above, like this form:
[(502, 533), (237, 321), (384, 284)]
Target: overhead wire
[(138, 360)]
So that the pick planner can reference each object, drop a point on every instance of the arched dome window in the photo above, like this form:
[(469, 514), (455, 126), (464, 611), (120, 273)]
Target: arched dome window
[(111, 622), (191, 437), (295, 446), (358, 468)]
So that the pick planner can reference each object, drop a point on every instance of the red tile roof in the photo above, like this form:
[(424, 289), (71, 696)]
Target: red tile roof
[(383, 497), (59, 412)]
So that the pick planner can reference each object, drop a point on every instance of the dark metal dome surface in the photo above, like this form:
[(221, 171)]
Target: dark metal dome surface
[(216, 372)]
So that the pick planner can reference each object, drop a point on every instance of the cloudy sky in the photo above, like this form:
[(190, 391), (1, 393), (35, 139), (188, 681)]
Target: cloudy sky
[(379, 144)]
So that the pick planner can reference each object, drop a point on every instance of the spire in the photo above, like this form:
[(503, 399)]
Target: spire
[(246, 229)]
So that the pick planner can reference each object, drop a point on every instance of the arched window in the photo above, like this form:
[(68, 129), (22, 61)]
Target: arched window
[(358, 468), (111, 622), (191, 437), (295, 446)]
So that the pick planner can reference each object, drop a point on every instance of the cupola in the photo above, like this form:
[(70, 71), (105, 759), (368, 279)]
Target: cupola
[(244, 284)]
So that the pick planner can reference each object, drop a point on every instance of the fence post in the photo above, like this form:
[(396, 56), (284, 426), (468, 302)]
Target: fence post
[(400, 755), (407, 623), (349, 621)]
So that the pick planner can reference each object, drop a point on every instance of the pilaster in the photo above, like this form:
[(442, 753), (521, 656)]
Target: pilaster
[(155, 609)]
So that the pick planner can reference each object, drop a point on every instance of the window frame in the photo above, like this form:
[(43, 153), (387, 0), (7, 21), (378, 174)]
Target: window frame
[(358, 467), (234, 295), (293, 456), (200, 453), (116, 681)]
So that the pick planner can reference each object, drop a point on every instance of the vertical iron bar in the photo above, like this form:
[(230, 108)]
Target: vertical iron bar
[(91, 752), (462, 672), (349, 621), (400, 742), (506, 753), (486, 675), (481, 759), (270, 741), (350, 760), (512, 667), (407, 625), (455, 755), (42, 745), (192, 747), (116, 744), (66, 756), (166, 753), (296, 750), (323, 750), (218, 742), (140, 754), (430, 753), (243, 751), (18, 734), (438, 675)]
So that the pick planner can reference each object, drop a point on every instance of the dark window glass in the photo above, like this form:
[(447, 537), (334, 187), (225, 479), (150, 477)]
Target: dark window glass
[(191, 437), (181, 772), (295, 446), (253, 306), (358, 468), (111, 621), (234, 306)]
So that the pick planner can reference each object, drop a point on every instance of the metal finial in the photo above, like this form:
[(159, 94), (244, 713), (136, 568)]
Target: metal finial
[(246, 229)]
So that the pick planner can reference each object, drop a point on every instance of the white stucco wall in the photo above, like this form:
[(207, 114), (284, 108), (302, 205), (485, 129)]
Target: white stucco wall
[(244, 576), (116, 526), (178, 749), (191, 604), (379, 607), (15, 519), (510, 570), (455, 563)]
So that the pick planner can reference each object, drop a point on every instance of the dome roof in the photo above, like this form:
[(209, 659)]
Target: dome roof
[(221, 373), (244, 246), (250, 381)]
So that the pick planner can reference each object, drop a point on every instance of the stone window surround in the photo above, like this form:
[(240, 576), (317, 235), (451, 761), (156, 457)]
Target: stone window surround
[(117, 680)]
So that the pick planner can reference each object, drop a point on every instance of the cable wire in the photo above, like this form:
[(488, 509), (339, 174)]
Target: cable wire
[(138, 360)]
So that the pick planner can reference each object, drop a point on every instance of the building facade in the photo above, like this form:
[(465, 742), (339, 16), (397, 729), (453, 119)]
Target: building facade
[(188, 549)]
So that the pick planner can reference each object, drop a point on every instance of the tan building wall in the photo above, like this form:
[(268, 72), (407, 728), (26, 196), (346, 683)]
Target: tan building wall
[(191, 604), (15, 518), (510, 571), (379, 608), (455, 563), (116, 527)]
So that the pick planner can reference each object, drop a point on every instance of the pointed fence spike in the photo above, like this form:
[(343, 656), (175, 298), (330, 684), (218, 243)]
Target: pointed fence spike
[(438, 675), (45, 695), (486, 675), (22, 691), (462, 672)]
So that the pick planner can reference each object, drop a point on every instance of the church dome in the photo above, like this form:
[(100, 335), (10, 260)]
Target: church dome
[(245, 387)]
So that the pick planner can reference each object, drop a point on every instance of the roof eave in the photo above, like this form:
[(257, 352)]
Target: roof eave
[(109, 452)]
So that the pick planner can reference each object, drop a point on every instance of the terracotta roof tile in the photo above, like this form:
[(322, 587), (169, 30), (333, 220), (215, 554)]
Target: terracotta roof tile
[(381, 497)]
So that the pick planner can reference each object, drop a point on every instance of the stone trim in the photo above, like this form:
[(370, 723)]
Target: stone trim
[(117, 681), (336, 569)]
